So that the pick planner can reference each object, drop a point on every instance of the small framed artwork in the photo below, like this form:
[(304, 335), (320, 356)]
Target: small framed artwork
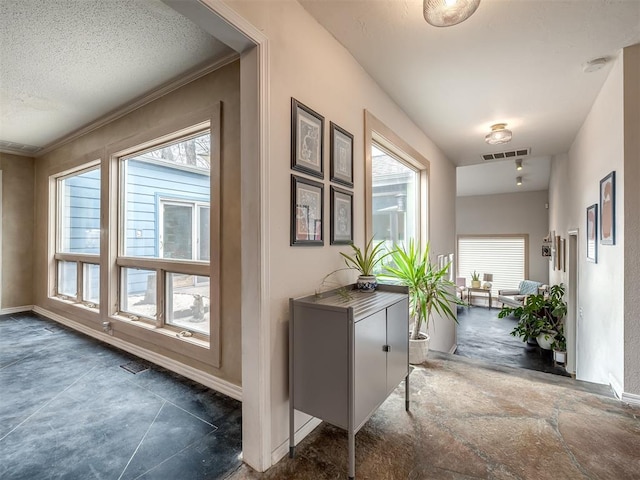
[(560, 253), (307, 131), (341, 217), (608, 209), (307, 211), (592, 235), (546, 249), (563, 249), (341, 155)]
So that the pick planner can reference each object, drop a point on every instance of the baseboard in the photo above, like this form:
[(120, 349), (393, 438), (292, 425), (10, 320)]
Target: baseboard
[(194, 374), (615, 386), (302, 432), (453, 349), (23, 308), (631, 398)]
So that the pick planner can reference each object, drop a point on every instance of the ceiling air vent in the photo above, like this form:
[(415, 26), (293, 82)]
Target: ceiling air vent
[(18, 148), (520, 153)]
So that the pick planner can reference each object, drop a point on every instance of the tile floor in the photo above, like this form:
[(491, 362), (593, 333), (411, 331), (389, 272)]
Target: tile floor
[(68, 410)]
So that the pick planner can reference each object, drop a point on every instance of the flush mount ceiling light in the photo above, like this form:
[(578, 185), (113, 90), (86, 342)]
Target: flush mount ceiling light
[(499, 134), (518, 181), (445, 13), (594, 65), (518, 164)]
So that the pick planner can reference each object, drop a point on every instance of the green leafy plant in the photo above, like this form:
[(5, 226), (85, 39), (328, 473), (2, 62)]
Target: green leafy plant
[(429, 289), (365, 261), (475, 276), (539, 314)]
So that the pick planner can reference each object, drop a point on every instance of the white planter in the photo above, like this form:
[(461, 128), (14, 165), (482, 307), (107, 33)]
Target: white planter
[(367, 283), (418, 349), (560, 357), (546, 339)]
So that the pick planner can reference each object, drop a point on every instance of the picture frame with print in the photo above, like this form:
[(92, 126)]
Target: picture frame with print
[(307, 140), (341, 157), (307, 212), (592, 233), (341, 216), (608, 209)]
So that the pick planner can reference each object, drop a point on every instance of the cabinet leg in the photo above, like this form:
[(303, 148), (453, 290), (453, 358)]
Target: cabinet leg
[(407, 393), (292, 452), (352, 454)]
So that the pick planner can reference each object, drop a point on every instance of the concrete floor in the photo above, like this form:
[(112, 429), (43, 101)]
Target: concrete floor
[(472, 420)]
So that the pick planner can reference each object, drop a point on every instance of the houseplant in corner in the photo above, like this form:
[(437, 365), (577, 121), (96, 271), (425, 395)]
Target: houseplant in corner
[(540, 316), (475, 280), (429, 291), (365, 262)]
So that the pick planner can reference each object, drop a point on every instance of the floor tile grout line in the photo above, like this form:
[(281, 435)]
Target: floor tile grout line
[(142, 440), (170, 402), (47, 403)]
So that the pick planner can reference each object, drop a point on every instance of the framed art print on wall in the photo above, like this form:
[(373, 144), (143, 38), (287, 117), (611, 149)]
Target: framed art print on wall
[(608, 209), (592, 235), (341, 155), (307, 132), (307, 211), (341, 217)]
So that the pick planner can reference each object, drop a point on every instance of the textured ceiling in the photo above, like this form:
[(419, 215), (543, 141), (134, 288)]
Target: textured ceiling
[(66, 63), (515, 61)]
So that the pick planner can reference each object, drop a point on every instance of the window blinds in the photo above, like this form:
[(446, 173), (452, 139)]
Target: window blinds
[(504, 257)]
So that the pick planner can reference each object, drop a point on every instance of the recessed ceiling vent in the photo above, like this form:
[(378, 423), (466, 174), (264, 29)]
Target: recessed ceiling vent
[(520, 153), (18, 148)]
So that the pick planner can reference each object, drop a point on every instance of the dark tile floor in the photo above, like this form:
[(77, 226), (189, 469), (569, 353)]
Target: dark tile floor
[(484, 336), (68, 410)]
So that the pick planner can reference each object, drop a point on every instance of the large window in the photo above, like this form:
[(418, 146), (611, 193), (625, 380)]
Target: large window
[(165, 232), (77, 253), (503, 256)]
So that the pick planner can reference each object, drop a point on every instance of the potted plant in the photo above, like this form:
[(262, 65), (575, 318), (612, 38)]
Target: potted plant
[(429, 291), (365, 262), (540, 316), (560, 347), (475, 280)]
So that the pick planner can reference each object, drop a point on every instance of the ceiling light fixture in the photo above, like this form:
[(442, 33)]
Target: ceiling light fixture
[(594, 65), (518, 181), (445, 13), (499, 134), (518, 164)]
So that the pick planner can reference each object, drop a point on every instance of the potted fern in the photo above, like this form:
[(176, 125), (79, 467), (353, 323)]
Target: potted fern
[(430, 292), (365, 261)]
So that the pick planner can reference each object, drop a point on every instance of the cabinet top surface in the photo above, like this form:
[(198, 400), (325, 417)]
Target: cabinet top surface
[(362, 303)]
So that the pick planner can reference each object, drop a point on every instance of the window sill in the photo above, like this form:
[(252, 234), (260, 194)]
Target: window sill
[(165, 332)]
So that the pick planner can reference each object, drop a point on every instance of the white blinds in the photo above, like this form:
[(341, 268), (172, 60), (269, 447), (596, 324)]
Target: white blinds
[(504, 257)]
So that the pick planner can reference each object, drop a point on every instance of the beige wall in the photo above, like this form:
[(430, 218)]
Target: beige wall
[(509, 213), (162, 116), (575, 184), (17, 231), (307, 63)]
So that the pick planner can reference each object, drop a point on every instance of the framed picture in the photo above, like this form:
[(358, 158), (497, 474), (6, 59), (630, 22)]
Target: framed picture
[(559, 254), (341, 155), (563, 249), (341, 217), (307, 131), (608, 209), (546, 250), (307, 211), (592, 229)]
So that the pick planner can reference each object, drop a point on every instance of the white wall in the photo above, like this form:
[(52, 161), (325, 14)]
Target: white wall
[(307, 63), (575, 181), (516, 213)]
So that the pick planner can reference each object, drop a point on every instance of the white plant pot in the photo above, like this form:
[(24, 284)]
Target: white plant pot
[(560, 357), (418, 349), (367, 283), (546, 339)]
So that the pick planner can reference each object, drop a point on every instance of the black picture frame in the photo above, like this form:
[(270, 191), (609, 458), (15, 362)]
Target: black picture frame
[(307, 212), (608, 209), (341, 216), (307, 140), (592, 233), (341, 157)]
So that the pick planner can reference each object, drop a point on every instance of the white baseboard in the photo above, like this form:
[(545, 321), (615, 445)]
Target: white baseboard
[(302, 432), (203, 378), (453, 349), (615, 385), (631, 398), (23, 308)]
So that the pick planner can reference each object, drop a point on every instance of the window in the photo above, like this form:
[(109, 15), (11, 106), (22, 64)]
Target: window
[(503, 256), (77, 251), (165, 233)]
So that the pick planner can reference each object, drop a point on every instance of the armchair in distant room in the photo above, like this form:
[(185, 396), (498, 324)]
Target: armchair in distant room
[(461, 287)]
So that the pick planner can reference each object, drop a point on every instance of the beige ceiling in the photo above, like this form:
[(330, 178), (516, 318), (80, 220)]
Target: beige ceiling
[(514, 61)]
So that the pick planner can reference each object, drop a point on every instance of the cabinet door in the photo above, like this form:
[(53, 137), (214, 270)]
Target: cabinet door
[(370, 384), (398, 340)]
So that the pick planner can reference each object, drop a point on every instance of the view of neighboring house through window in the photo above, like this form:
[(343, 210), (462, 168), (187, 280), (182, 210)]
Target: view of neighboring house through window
[(396, 192), (164, 234), (78, 237), (503, 256)]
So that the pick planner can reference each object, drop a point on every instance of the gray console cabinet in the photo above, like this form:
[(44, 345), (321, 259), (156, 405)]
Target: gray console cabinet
[(346, 355)]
